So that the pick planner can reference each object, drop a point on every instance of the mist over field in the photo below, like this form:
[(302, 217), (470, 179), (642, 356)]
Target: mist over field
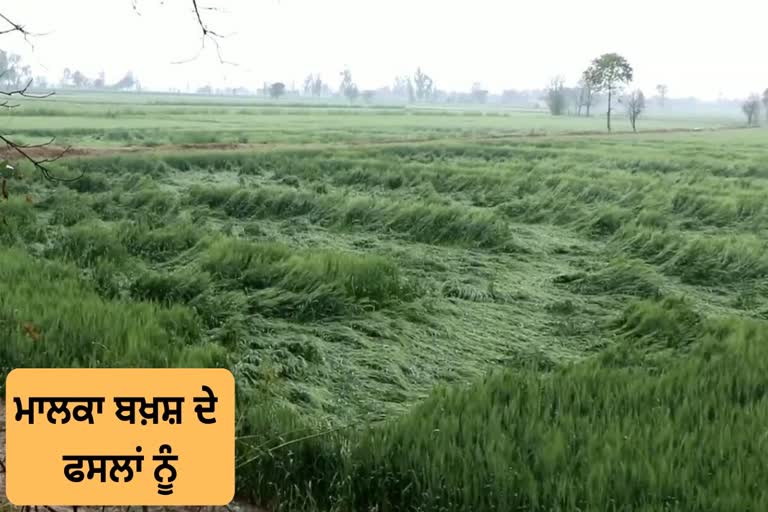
[(458, 256)]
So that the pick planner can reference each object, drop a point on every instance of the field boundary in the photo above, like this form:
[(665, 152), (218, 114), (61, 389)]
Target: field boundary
[(95, 151)]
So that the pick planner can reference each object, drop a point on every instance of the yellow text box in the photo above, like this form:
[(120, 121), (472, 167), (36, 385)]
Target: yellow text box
[(173, 412)]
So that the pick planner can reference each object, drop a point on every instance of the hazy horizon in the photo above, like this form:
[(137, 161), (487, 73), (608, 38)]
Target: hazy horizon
[(697, 50)]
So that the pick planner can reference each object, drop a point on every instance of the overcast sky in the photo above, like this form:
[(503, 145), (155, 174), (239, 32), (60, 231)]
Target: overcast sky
[(697, 47)]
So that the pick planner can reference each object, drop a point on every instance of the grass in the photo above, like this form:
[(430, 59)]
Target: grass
[(463, 318)]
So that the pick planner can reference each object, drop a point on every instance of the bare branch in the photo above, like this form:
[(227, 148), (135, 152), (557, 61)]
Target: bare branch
[(22, 149), (206, 33), (41, 145), (23, 92), (39, 163), (15, 27)]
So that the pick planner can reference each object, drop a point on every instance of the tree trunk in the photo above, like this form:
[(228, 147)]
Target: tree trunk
[(633, 119), (609, 110)]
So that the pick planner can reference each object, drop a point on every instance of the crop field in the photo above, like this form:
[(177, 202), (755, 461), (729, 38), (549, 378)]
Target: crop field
[(423, 310)]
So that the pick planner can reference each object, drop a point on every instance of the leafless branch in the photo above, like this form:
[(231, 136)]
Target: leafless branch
[(15, 27), (22, 149), (23, 92), (206, 33), (19, 28), (39, 164), (41, 145)]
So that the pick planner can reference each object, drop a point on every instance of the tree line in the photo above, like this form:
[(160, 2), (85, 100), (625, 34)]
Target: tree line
[(15, 74), (609, 74), (417, 87), (606, 79)]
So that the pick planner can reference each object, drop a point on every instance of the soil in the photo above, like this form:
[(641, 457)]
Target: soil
[(43, 152)]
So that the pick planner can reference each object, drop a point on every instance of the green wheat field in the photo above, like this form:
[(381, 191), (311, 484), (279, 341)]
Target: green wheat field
[(424, 309)]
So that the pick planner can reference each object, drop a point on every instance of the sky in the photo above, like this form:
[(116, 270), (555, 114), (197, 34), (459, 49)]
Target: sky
[(703, 48)]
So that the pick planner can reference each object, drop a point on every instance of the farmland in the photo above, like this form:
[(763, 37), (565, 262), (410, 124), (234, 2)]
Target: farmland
[(424, 309)]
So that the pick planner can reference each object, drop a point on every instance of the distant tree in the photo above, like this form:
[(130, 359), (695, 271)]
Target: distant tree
[(346, 80), (403, 88), (100, 82), (662, 90), (309, 82), (126, 83), (555, 96), (206, 89), (5, 68), (479, 94), (368, 95), (587, 87), (317, 86), (400, 88), (41, 82), (352, 92), (751, 108), (424, 85), (276, 90), (608, 73), (21, 89), (572, 98), (13, 75), (80, 80), (66, 77), (348, 87), (765, 103), (634, 102)]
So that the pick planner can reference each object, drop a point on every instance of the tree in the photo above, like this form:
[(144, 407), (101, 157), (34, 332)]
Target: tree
[(66, 78), (368, 95), (347, 86), (8, 70), (126, 83), (81, 81), (479, 94), (18, 89), (587, 94), (403, 88), (399, 88), (276, 90), (634, 102), (41, 82), (13, 74), (751, 108), (765, 103), (556, 96), (352, 92), (424, 85), (410, 90), (661, 90), (100, 82), (317, 86), (309, 82), (607, 73)]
